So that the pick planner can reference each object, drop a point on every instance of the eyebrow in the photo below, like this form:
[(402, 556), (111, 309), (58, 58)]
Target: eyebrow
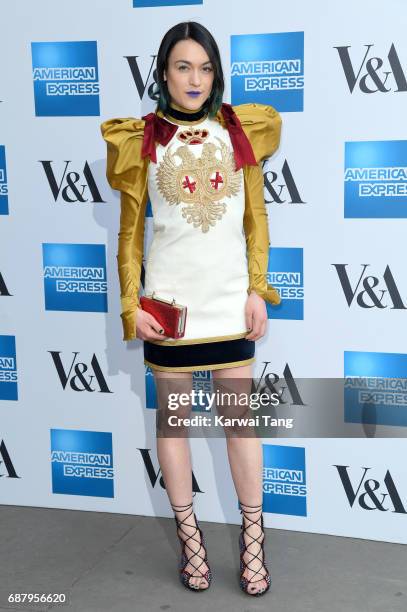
[(187, 62)]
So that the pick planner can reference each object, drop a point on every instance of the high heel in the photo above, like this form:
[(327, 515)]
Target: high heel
[(245, 583), (183, 573)]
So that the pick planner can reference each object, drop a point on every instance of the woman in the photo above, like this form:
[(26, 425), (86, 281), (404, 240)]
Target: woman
[(198, 160)]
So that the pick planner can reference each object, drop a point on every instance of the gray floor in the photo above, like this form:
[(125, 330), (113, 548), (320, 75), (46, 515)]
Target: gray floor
[(128, 563)]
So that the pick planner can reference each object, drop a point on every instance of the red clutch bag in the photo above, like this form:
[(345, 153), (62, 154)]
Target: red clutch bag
[(170, 315)]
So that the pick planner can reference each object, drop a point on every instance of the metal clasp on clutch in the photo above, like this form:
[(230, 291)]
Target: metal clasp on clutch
[(162, 300)]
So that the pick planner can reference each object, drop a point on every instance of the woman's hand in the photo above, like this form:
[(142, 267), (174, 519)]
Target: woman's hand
[(256, 316), (147, 327)]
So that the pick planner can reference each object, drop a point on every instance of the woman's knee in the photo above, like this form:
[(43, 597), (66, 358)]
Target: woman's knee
[(173, 402)]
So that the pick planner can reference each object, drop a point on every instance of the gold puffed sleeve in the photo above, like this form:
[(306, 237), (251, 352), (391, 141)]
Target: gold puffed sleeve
[(262, 125), (127, 172)]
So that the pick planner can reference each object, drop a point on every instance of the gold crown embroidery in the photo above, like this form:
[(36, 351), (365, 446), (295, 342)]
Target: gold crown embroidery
[(199, 182), (193, 136)]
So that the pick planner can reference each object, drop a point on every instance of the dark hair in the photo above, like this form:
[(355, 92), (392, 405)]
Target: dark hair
[(197, 32)]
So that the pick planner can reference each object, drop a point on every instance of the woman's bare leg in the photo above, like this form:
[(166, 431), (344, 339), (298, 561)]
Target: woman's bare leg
[(174, 457), (246, 463)]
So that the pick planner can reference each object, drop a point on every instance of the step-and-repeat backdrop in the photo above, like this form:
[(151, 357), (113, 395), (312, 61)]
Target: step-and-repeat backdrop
[(77, 404)]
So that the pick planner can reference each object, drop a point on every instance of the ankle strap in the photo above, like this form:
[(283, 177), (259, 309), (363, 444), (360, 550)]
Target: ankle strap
[(181, 507), (258, 508)]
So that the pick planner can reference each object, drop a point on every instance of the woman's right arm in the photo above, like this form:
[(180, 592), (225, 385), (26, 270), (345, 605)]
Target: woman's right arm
[(127, 171)]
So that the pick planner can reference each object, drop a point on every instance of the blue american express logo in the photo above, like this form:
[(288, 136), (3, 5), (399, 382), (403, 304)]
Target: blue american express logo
[(375, 388), (286, 274), (82, 462), (75, 277), (376, 179), (65, 77), (8, 368), (268, 69), (284, 480)]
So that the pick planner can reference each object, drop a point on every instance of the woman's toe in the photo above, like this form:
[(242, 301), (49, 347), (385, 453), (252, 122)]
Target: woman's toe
[(196, 582), (258, 587)]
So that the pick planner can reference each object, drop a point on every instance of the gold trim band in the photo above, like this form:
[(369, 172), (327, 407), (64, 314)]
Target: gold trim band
[(200, 340)]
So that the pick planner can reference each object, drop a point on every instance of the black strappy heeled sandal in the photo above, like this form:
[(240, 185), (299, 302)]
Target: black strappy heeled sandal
[(183, 573), (245, 583)]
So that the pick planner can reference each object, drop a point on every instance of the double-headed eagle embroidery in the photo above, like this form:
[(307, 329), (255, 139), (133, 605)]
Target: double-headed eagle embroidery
[(199, 182)]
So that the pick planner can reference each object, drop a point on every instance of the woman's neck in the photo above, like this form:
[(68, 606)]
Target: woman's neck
[(183, 109)]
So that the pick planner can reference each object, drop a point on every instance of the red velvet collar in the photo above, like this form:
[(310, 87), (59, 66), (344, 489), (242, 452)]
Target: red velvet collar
[(158, 129)]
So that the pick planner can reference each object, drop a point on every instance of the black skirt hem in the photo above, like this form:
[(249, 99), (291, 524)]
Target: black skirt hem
[(205, 356)]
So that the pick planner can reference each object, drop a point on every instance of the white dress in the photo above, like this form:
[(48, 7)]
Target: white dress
[(198, 252)]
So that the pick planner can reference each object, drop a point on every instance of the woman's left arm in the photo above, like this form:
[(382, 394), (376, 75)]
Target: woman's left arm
[(255, 224), (262, 125)]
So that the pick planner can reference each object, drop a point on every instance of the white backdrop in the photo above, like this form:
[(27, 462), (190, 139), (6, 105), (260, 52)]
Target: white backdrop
[(313, 147)]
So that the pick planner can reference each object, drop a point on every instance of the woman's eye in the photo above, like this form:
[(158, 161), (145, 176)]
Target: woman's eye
[(206, 69)]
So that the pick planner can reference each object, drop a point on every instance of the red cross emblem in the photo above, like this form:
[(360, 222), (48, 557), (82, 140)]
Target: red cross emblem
[(217, 180), (188, 184)]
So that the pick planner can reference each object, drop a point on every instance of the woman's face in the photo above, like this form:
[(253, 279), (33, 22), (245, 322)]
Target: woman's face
[(189, 70)]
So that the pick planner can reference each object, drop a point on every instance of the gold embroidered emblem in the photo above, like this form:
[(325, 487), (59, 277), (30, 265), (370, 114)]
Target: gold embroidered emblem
[(199, 182)]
